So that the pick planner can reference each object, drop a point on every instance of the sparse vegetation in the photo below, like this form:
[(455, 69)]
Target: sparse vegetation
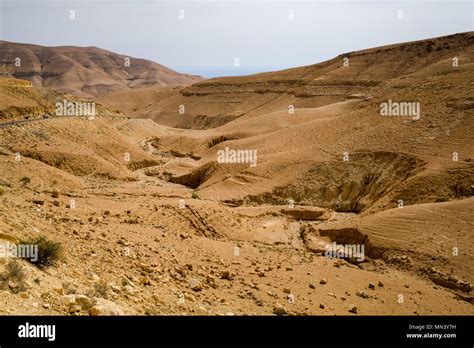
[(194, 195), (13, 278), (14, 271), (48, 251), (219, 140)]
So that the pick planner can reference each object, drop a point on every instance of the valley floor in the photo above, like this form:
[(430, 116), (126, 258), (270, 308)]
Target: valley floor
[(134, 243)]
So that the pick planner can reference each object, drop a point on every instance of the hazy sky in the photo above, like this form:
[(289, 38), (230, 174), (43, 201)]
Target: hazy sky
[(263, 35)]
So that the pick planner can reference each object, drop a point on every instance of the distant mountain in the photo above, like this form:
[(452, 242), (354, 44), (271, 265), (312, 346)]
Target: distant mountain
[(352, 75), (84, 71)]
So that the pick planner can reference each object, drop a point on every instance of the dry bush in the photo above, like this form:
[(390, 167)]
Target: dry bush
[(48, 251), (13, 277)]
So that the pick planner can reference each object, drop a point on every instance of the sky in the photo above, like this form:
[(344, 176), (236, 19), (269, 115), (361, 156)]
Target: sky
[(209, 38)]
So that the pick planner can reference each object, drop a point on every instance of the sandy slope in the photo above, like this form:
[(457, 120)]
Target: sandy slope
[(171, 247)]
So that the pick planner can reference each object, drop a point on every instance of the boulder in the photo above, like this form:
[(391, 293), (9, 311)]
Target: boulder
[(84, 301), (105, 307), (279, 309)]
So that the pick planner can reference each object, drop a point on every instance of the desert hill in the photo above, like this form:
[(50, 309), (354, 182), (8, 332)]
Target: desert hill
[(300, 154), (84, 71), (216, 101), (20, 99), (160, 225)]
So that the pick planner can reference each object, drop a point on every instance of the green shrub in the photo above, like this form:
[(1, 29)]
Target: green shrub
[(195, 195)]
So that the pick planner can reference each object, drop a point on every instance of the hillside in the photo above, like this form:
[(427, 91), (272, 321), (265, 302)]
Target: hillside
[(84, 71), (214, 102), (300, 154), (19, 99)]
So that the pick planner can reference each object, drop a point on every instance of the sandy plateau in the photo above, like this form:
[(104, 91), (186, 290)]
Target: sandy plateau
[(150, 222)]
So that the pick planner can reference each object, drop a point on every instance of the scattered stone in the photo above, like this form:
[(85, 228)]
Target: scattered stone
[(74, 309), (105, 307), (362, 294), (371, 286), (227, 275), (195, 284), (68, 300), (353, 309), (211, 280), (55, 193), (311, 285), (271, 294), (380, 284), (129, 289), (189, 297), (279, 309), (84, 302), (38, 201), (145, 280), (323, 281), (92, 276), (146, 268), (286, 291), (321, 305)]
